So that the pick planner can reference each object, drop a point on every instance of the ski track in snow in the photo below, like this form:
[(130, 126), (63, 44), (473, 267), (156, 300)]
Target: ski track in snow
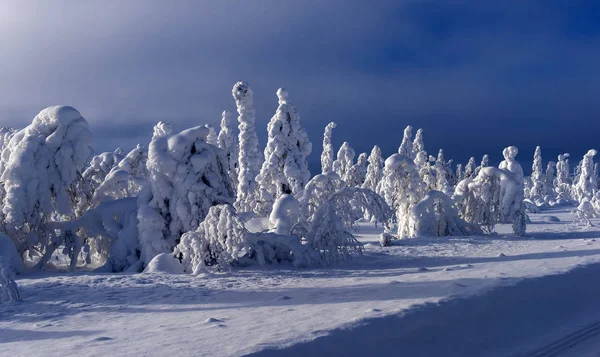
[(376, 303)]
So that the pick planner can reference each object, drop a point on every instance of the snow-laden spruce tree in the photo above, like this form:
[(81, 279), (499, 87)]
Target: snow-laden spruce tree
[(562, 183), (436, 216), (327, 154), (317, 191), (41, 165), (374, 170), (418, 144), (514, 199), (406, 147), (357, 174), (249, 159), (550, 176), (227, 141), (538, 184), (459, 173), (402, 188), (470, 168), (187, 176), (587, 184), (485, 162), (125, 179), (344, 161), (285, 169), (441, 174)]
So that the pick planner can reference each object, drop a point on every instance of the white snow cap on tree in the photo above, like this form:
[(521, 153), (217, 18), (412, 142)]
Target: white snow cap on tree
[(211, 138), (41, 165), (406, 147), (587, 185), (162, 129), (249, 160), (344, 161), (538, 186), (374, 170), (125, 179), (327, 155), (285, 169), (227, 141), (356, 175), (187, 176), (510, 164)]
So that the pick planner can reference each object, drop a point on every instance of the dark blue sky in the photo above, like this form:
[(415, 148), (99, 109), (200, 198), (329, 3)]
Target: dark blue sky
[(475, 75)]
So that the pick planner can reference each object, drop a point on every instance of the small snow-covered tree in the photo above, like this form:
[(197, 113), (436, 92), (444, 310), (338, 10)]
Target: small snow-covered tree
[(538, 185), (344, 161), (402, 189), (470, 168), (459, 173), (227, 141), (317, 191), (441, 173), (249, 160), (587, 184), (40, 168), (406, 147), (550, 176), (436, 216), (125, 179), (485, 162), (327, 155), (562, 184), (374, 170), (358, 172), (285, 169), (187, 176), (418, 144)]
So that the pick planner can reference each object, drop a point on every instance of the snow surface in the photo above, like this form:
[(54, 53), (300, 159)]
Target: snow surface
[(418, 297)]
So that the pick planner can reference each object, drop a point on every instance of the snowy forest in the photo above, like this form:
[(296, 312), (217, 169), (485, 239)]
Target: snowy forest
[(214, 199)]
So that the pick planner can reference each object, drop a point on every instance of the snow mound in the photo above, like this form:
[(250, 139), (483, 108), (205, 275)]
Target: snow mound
[(550, 219), (164, 263)]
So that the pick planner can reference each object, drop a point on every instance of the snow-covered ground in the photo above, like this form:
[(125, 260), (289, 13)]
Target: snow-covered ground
[(420, 297)]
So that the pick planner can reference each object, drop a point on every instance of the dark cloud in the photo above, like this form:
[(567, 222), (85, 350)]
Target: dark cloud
[(476, 75)]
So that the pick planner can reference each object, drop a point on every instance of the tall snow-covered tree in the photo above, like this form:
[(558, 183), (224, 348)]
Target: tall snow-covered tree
[(418, 144), (459, 173), (485, 162), (587, 184), (327, 154), (550, 176), (249, 160), (374, 170), (344, 161), (227, 141), (187, 176), (562, 183), (470, 168), (538, 185), (441, 173), (358, 172), (43, 163), (406, 147), (285, 169)]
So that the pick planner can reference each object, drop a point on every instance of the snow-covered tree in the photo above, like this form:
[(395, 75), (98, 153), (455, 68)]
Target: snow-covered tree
[(125, 179), (485, 162), (187, 176), (249, 160), (374, 170), (327, 155), (358, 172), (562, 183), (406, 147), (285, 169), (538, 184), (344, 161), (418, 144), (41, 166), (459, 173), (550, 176), (436, 216), (227, 141), (441, 173), (470, 168), (402, 189), (317, 191), (587, 184)]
